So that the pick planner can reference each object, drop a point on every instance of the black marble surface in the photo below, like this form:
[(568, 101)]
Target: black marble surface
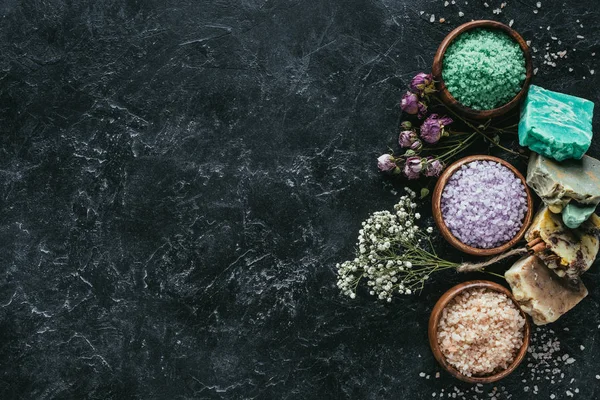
[(179, 178)]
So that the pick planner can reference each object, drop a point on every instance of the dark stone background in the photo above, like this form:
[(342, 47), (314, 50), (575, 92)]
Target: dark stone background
[(178, 179)]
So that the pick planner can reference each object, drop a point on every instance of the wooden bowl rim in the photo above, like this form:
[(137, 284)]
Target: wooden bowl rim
[(434, 320), (436, 205), (438, 63)]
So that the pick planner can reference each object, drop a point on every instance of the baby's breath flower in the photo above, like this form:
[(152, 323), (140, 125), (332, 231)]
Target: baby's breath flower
[(389, 254)]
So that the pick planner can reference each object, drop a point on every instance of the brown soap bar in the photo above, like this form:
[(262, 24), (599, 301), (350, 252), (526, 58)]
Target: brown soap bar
[(540, 292)]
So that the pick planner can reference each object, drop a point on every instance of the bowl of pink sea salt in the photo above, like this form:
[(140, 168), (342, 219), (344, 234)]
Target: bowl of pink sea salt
[(482, 205), (478, 332)]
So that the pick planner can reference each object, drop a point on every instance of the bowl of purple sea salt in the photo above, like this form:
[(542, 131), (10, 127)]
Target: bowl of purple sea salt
[(482, 205)]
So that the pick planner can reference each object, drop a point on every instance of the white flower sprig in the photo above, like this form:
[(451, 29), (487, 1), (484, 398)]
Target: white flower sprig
[(391, 255)]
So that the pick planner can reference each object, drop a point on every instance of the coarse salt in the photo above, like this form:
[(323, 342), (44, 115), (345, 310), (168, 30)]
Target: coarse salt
[(484, 204), (480, 331)]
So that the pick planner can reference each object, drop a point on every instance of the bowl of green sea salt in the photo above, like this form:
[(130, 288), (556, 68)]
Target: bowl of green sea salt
[(482, 69)]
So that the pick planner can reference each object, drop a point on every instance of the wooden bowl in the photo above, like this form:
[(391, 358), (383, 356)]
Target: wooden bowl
[(451, 102), (434, 321), (439, 218)]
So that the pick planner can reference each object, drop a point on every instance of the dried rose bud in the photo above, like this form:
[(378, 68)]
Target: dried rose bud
[(406, 125), (386, 163), (433, 167), (413, 167), (422, 84), (417, 145), (407, 138), (410, 103), (433, 128)]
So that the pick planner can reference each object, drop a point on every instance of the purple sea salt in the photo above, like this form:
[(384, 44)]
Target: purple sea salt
[(484, 204)]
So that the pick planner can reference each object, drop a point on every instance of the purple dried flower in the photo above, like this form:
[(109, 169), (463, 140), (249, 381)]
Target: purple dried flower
[(407, 138), (422, 84), (406, 125), (410, 103), (417, 145), (433, 128), (386, 163), (433, 167), (413, 167)]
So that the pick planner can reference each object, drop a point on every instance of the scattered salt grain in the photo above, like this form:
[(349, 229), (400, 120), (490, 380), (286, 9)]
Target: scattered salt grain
[(538, 4), (442, 20), (592, 72), (461, 14), (570, 361), (535, 71), (570, 69), (512, 21), (486, 5), (432, 18), (582, 347), (421, 12), (497, 11), (580, 37), (598, 377), (569, 393), (446, 4), (594, 54), (502, 5), (535, 11), (422, 374)]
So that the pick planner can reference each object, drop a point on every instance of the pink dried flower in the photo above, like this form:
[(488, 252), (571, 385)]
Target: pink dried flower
[(407, 138), (433, 167), (417, 145), (410, 103), (386, 163), (413, 167), (433, 128), (422, 84)]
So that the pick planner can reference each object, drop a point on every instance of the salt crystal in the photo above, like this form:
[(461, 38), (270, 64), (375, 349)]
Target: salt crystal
[(421, 12), (422, 374), (535, 71), (538, 4), (535, 11), (461, 14), (582, 347), (598, 377), (446, 4), (486, 5), (512, 21), (432, 18), (580, 37), (592, 72)]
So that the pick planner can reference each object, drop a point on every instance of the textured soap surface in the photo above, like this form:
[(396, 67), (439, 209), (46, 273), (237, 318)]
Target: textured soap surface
[(573, 215), (540, 293), (570, 252), (556, 125), (557, 184)]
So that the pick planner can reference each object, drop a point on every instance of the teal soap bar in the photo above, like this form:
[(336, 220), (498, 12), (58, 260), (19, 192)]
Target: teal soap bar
[(556, 125), (573, 216)]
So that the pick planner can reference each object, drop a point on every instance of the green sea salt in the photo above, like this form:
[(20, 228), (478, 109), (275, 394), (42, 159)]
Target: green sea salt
[(484, 69)]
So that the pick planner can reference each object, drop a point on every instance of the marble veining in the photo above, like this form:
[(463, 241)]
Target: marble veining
[(179, 178)]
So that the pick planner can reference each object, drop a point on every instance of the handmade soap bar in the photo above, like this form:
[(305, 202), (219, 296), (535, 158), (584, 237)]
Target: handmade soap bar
[(573, 215), (569, 252), (556, 125), (559, 183), (541, 293)]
